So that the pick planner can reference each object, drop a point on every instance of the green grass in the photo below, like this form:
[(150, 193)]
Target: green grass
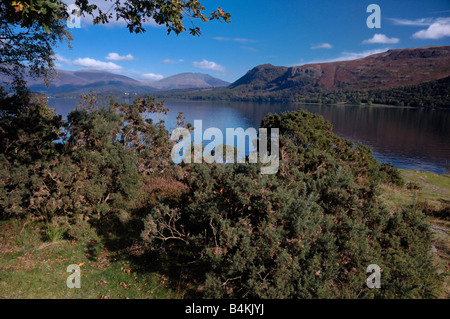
[(33, 268), (434, 190), (433, 186)]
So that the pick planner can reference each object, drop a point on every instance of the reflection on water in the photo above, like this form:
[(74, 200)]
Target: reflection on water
[(406, 137)]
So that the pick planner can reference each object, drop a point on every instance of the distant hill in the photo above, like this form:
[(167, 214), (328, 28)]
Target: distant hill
[(86, 80), (259, 77), (188, 81), (105, 82)]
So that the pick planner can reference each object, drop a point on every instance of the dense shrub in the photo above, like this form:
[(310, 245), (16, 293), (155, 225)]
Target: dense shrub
[(389, 174), (309, 231), (27, 149), (413, 186), (97, 169)]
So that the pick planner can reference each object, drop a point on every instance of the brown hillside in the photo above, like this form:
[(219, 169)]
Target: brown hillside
[(384, 70)]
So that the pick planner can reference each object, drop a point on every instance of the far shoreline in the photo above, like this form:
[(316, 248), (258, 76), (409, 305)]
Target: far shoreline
[(71, 97)]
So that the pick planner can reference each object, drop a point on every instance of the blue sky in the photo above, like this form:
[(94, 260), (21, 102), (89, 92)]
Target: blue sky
[(282, 32)]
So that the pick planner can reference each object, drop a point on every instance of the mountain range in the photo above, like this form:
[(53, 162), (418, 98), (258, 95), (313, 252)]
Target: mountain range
[(84, 81), (413, 76), (390, 69)]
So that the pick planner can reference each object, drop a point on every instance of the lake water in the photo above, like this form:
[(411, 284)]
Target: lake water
[(408, 138)]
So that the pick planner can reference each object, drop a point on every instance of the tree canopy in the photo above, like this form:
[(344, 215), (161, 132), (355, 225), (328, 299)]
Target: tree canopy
[(28, 34), (30, 29)]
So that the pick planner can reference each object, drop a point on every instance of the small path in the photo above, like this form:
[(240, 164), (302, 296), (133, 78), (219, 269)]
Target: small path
[(440, 230)]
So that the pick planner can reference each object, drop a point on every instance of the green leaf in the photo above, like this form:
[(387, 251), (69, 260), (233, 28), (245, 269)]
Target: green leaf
[(46, 28)]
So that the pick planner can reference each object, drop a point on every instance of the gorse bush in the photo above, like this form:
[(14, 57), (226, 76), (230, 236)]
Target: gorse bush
[(413, 186), (390, 175), (97, 168), (27, 150), (308, 231)]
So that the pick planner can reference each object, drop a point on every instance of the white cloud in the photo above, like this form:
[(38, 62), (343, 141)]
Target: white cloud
[(251, 49), (62, 60), (172, 61), (241, 40), (116, 57), (439, 29), (321, 46), (416, 22), (98, 65), (381, 38), (347, 56), (209, 65), (442, 11), (152, 76)]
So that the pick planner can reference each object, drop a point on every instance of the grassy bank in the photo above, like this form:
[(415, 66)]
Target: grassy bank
[(431, 193), (34, 256), (34, 266)]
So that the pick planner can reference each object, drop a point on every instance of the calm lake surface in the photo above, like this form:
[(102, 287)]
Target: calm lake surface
[(408, 138)]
